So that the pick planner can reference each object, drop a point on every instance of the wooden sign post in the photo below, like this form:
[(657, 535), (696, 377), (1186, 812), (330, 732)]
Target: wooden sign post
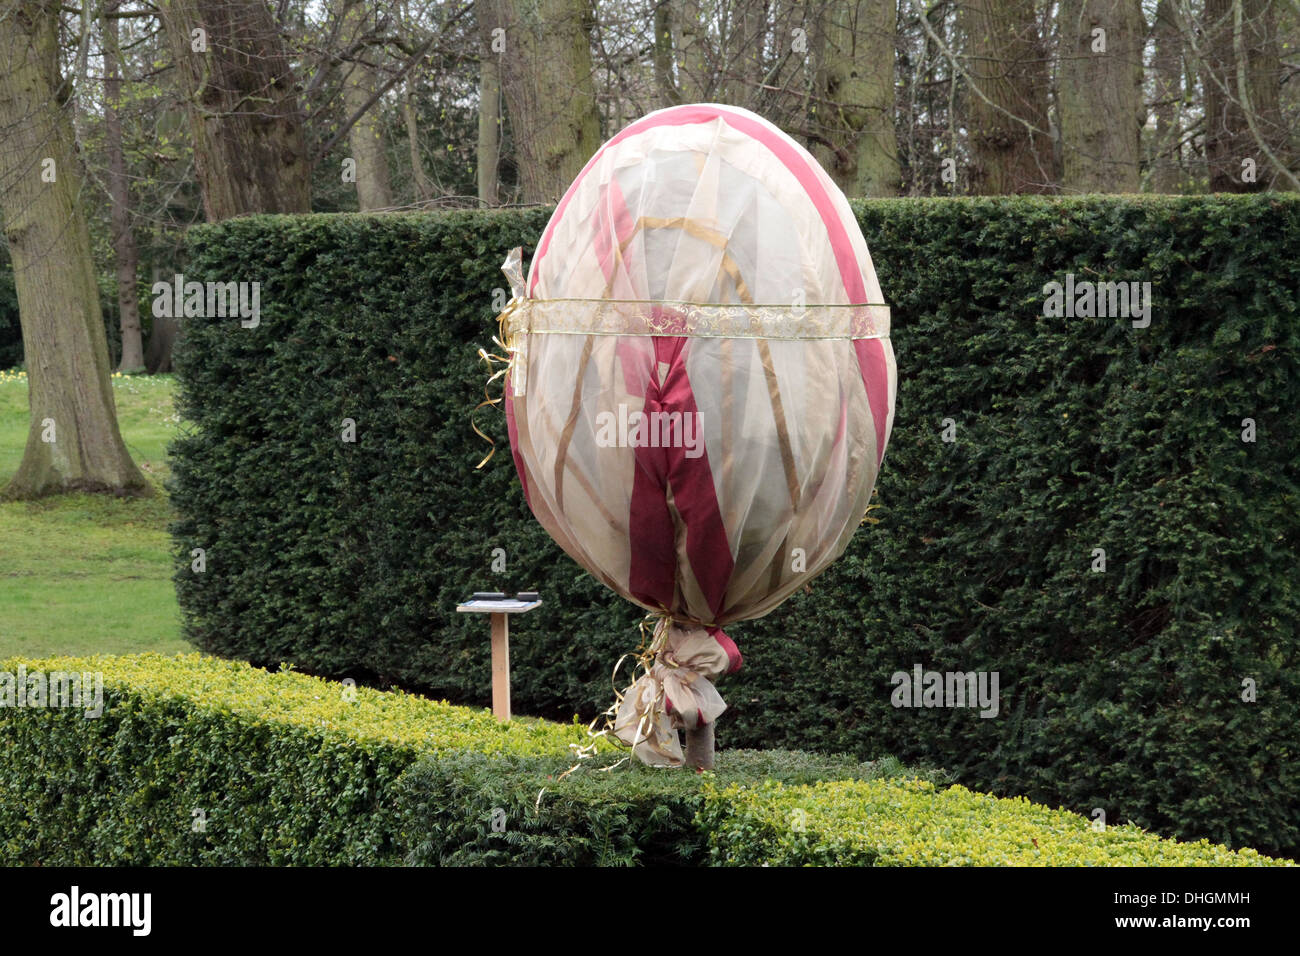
[(500, 608)]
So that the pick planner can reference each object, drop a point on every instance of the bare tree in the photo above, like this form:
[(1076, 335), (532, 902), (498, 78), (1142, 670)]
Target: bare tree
[(548, 90), (1247, 144), (1167, 70), (124, 249), (421, 183), (855, 42), (691, 39), (745, 46), (489, 118), (366, 135), (665, 80), (249, 151)]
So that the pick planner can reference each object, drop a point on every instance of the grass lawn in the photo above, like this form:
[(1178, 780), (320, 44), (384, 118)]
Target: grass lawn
[(87, 574)]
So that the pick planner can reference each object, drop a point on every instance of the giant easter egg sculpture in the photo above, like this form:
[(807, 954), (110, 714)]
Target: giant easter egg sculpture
[(701, 388)]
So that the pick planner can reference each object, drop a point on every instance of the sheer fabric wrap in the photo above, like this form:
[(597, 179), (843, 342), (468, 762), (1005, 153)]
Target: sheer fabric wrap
[(702, 385)]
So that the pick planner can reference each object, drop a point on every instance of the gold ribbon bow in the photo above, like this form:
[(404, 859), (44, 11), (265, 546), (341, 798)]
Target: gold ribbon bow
[(674, 693), (677, 663)]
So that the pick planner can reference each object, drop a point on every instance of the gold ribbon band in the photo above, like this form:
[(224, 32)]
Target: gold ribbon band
[(698, 320)]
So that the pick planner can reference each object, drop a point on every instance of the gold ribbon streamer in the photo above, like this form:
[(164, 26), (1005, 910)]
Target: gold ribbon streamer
[(653, 629), (744, 320), (508, 341), (867, 517)]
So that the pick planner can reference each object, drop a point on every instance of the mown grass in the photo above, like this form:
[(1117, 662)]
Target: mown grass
[(88, 574)]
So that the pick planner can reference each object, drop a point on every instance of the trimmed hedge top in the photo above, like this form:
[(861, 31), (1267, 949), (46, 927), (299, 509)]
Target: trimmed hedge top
[(288, 769), (910, 822), (307, 703)]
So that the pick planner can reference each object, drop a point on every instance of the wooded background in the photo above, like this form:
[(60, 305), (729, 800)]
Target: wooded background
[(161, 114)]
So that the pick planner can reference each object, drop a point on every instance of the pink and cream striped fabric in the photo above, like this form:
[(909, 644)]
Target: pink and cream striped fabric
[(703, 384)]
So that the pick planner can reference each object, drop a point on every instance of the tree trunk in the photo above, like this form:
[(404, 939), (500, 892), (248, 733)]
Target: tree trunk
[(423, 186), (249, 151), (548, 91), (691, 41), (665, 84), (745, 47), (1102, 111), (119, 194), (489, 124), (158, 356), (1010, 143), (366, 135), (856, 75), (1168, 67), (1229, 140), (793, 43), (73, 443)]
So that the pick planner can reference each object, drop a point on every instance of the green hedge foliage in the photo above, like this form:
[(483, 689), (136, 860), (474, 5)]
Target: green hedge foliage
[(283, 768), (908, 821), (287, 769), (1120, 689), (478, 810)]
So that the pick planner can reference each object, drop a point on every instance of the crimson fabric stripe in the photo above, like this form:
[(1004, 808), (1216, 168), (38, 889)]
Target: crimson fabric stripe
[(728, 645), (512, 431), (651, 534), (614, 215), (694, 494), (610, 216), (875, 378)]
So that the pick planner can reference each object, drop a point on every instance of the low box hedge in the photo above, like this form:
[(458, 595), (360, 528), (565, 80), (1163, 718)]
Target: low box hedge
[(911, 822), (478, 810), (199, 761)]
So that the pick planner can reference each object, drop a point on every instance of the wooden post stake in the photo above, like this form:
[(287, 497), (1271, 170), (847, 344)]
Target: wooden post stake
[(499, 608), (500, 665)]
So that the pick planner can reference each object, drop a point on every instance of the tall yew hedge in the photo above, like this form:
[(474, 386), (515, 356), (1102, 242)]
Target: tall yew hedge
[(1121, 689)]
